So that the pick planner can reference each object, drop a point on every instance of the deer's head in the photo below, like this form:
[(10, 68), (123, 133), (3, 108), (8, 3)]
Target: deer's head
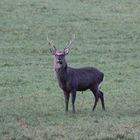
[(60, 55)]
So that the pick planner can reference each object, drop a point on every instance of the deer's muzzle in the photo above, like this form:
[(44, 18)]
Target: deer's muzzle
[(59, 61)]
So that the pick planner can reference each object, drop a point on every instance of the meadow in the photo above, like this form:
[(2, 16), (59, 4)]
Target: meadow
[(32, 105)]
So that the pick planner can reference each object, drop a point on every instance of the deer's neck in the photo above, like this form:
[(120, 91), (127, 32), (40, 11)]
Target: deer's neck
[(61, 74)]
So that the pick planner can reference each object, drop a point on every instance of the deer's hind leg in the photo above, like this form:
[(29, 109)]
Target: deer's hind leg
[(102, 99), (96, 93)]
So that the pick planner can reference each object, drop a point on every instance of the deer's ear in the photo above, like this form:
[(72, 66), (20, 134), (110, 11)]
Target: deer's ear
[(52, 49), (66, 51)]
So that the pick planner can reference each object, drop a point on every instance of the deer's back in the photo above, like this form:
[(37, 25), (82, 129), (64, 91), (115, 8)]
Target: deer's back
[(84, 78)]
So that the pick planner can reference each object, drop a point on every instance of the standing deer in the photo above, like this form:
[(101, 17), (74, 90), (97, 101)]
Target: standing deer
[(72, 80)]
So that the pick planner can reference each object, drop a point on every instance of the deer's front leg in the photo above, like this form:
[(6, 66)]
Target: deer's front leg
[(73, 95), (67, 95)]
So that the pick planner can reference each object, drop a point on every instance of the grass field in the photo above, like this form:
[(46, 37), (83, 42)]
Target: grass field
[(107, 37)]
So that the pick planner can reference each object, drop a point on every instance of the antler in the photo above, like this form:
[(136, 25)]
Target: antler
[(50, 42), (69, 43), (52, 47)]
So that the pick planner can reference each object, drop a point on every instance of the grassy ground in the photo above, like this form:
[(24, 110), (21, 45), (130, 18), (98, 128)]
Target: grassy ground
[(107, 37)]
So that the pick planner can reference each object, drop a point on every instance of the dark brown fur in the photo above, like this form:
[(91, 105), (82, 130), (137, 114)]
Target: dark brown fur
[(72, 80)]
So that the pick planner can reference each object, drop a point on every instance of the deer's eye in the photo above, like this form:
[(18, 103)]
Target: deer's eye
[(60, 56)]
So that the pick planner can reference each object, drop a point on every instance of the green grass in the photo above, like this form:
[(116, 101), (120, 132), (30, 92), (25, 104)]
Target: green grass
[(107, 37)]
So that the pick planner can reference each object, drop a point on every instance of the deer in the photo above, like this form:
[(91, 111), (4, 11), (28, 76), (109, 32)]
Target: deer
[(71, 79)]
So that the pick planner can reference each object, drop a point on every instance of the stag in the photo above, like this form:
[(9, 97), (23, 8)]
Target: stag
[(72, 80)]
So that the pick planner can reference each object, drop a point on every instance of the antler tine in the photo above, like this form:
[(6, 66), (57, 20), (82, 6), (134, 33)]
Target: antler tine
[(48, 39), (69, 43), (50, 42)]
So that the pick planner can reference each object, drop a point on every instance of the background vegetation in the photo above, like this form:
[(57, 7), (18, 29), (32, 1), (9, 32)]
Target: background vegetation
[(107, 37)]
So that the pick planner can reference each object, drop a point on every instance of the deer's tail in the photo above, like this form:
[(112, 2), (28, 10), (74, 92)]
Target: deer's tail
[(101, 77)]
